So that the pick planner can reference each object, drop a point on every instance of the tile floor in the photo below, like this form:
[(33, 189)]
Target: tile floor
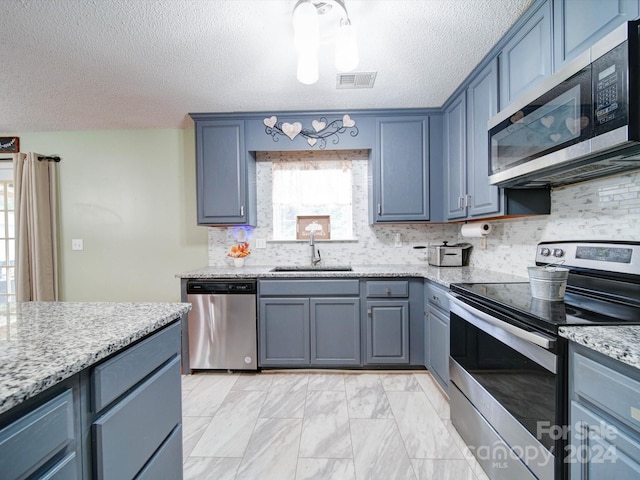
[(321, 425)]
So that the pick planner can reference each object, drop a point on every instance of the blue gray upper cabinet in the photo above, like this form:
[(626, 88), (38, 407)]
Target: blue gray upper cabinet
[(454, 157), (578, 24), (225, 174), (399, 170), (526, 59)]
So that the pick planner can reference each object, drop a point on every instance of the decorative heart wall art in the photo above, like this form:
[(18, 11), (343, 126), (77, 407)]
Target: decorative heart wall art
[(318, 125), (271, 121), (312, 141), (291, 130), (348, 122)]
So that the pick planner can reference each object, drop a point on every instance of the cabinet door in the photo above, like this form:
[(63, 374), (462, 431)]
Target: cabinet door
[(400, 170), (439, 346), (526, 58), (335, 331), (578, 24), (455, 158), (482, 104), (284, 331), (388, 332), (222, 174), (598, 449)]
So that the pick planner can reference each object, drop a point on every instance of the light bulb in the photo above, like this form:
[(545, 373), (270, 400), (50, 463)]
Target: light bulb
[(308, 67), (346, 48), (306, 31)]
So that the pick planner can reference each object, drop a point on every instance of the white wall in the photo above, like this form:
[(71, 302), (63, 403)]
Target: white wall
[(130, 195)]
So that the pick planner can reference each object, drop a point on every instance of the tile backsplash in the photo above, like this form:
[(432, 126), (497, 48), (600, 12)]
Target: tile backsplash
[(604, 209)]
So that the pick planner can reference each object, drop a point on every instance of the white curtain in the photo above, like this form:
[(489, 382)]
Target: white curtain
[(36, 228)]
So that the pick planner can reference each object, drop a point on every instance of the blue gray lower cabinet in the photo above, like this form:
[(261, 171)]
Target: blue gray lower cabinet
[(437, 333), (340, 322), (118, 419), (604, 417)]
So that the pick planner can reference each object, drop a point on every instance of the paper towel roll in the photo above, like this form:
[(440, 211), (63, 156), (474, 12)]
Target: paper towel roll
[(476, 229)]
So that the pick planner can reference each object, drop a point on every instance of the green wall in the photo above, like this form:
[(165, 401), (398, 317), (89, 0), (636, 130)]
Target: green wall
[(130, 195)]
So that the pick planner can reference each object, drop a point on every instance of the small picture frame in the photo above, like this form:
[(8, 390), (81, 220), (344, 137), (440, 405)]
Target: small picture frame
[(320, 224), (9, 144)]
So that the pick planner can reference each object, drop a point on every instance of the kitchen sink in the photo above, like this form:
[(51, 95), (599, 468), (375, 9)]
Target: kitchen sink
[(307, 268)]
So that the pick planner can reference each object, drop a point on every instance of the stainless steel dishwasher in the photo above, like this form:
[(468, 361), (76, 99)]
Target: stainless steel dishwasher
[(222, 324)]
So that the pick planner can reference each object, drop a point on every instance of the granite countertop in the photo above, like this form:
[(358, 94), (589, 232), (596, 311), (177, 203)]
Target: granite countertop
[(44, 343), (443, 275), (618, 342)]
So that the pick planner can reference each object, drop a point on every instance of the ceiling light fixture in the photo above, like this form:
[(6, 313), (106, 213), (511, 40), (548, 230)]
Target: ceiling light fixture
[(306, 31)]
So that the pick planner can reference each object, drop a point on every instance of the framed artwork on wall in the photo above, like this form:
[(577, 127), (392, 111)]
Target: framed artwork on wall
[(9, 144), (320, 224)]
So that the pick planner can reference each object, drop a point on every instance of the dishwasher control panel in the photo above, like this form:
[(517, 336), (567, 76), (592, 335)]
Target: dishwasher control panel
[(221, 286)]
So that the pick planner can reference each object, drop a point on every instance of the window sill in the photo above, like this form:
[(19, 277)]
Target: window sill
[(317, 240)]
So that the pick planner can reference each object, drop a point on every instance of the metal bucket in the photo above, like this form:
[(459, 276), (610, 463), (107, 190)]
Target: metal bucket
[(548, 283)]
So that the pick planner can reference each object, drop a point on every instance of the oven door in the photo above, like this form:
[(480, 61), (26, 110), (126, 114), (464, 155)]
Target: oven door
[(505, 375)]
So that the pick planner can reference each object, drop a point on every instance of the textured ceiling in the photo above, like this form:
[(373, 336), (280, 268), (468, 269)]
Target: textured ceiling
[(119, 64)]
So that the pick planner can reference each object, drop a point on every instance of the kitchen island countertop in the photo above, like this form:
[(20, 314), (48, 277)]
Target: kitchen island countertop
[(620, 342), (43, 343), (443, 275)]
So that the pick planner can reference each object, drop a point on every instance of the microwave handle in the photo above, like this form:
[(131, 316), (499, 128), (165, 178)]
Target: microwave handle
[(543, 341)]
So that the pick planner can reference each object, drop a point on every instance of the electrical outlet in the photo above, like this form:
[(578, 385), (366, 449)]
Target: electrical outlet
[(77, 244), (398, 240)]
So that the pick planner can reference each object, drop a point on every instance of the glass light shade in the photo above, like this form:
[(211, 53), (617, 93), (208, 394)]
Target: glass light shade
[(306, 31), (308, 67), (346, 48)]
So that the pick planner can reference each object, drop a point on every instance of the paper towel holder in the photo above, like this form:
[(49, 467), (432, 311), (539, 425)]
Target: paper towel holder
[(477, 230)]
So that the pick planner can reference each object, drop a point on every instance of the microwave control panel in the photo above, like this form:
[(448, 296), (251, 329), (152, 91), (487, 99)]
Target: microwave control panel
[(609, 89)]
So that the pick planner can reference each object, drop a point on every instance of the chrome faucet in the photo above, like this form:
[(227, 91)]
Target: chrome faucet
[(314, 260)]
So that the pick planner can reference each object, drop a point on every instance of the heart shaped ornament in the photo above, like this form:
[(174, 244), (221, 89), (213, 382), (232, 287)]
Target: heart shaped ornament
[(270, 122), (291, 129), (573, 125), (547, 121), (318, 125), (312, 141), (348, 122)]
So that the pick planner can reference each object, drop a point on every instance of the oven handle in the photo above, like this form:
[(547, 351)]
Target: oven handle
[(543, 341)]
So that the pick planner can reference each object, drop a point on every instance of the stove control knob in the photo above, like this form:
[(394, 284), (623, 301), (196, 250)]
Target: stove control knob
[(558, 252), (545, 252)]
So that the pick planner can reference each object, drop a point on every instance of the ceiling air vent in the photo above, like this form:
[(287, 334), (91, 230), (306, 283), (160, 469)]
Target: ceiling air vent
[(356, 80)]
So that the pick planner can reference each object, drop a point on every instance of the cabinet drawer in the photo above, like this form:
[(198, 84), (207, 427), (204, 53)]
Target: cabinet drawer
[(398, 288), (114, 377), (438, 298), (167, 461), (65, 469), (309, 287), (611, 391), (30, 441), (128, 434)]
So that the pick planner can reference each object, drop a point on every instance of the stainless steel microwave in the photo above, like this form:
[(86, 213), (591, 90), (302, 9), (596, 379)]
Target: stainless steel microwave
[(580, 123)]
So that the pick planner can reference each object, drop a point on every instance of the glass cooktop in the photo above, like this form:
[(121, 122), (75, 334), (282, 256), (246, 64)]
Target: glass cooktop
[(576, 309)]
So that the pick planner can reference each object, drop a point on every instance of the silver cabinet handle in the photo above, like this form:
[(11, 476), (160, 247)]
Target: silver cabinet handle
[(379, 209), (242, 210), (467, 200)]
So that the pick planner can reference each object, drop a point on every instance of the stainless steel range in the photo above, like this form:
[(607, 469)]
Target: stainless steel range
[(508, 364)]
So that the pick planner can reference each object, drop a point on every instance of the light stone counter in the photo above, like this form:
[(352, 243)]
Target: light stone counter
[(47, 342), (443, 275), (618, 342)]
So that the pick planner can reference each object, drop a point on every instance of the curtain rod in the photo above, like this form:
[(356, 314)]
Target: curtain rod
[(54, 158)]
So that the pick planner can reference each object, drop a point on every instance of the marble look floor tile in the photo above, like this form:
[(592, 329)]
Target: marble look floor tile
[(190, 381), (289, 381), (252, 381), (325, 436), (281, 403), (272, 451), (378, 450), (192, 430), (435, 395), (325, 469), (400, 382), (366, 397), (460, 443), (200, 468), (326, 381), (428, 469), (423, 432), (205, 398), (326, 402), (229, 431)]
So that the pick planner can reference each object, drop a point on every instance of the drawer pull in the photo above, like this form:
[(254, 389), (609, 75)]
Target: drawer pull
[(388, 290), (635, 413)]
